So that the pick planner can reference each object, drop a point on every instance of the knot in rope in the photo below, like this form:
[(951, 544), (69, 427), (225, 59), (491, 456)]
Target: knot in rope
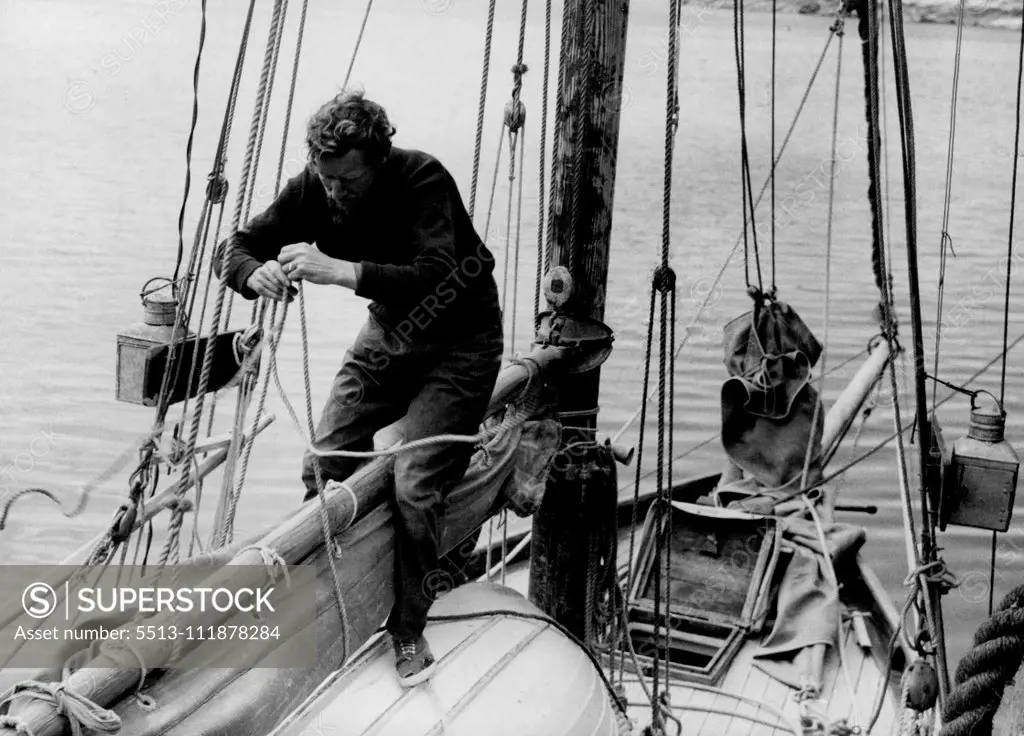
[(518, 70), (272, 559), (664, 279), (82, 714), (935, 573), (515, 115), (178, 506)]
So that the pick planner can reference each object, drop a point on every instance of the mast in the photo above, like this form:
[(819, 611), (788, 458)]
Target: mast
[(581, 493)]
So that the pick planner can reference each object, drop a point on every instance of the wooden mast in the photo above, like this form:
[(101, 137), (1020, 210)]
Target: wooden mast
[(580, 490)]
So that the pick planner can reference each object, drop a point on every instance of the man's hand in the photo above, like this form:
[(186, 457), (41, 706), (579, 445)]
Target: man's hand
[(270, 281), (302, 262)]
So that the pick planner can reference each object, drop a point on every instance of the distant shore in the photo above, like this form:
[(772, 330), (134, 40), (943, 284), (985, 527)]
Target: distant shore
[(985, 13)]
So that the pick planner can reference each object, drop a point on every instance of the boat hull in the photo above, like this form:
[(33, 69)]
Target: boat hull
[(503, 669)]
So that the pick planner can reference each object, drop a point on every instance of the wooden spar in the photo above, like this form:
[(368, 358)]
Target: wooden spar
[(842, 413), (104, 680), (589, 95)]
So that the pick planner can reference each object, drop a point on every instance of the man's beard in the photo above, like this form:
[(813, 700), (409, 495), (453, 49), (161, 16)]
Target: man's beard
[(340, 212)]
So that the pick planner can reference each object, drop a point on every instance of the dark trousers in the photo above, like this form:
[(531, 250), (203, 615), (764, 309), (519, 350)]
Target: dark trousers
[(441, 385)]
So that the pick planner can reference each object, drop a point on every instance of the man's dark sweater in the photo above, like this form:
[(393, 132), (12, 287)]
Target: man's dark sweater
[(422, 263)]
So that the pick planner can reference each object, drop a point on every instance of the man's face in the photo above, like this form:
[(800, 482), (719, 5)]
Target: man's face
[(345, 179)]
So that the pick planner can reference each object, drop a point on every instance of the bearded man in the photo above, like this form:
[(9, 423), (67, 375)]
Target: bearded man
[(390, 225)]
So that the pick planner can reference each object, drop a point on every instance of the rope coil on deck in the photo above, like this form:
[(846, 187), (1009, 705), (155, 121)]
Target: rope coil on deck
[(987, 668)]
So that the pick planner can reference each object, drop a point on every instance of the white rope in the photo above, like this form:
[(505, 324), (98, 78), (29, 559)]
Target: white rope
[(473, 439), (351, 494), (271, 559)]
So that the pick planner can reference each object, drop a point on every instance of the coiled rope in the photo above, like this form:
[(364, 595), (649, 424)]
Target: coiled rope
[(986, 670)]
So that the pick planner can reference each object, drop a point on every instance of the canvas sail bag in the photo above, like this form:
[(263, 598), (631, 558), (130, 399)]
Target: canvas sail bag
[(768, 402)]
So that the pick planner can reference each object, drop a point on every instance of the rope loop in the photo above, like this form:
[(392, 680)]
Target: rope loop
[(271, 559), (664, 279)]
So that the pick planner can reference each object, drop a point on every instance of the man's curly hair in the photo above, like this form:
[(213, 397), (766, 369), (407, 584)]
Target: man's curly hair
[(349, 121)]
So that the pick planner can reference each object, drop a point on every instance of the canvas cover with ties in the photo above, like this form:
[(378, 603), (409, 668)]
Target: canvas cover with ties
[(768, 402)]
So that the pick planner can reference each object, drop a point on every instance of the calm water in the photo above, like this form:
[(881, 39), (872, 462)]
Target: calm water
[(95, 103)]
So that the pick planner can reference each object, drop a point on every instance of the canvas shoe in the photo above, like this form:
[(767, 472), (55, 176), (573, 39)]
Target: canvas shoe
[(413, 661)]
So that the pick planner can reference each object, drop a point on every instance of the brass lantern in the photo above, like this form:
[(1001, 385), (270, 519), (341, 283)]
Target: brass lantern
[(139, 344), (981, 482)]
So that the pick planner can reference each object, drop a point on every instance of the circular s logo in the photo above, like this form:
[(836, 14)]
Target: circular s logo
[(39, 600)]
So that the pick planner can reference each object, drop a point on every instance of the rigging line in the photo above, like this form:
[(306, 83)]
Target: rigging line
[(932, 602), (945, 239), (828, 261), (219, 302), (884, 266), (739, 35), (663, 288), (197, 259), (772, 173), (225, 131), (743, 193), (494, 184), (513, 143), (640, 448), (519, 225), (250, 163), (226, 532), (739, 238), (557, 145), (541, 203), (330, 549), (1013, 210), (191, 138), (517, 74), (478, 147), (243, 395), (359, 41), (258, 305), (291, 96), (1009, 272)]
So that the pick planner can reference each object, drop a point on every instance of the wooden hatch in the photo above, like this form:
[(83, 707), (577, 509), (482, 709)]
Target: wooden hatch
[(722, 564)]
